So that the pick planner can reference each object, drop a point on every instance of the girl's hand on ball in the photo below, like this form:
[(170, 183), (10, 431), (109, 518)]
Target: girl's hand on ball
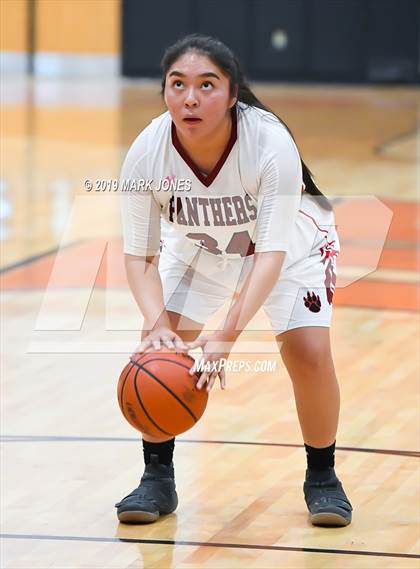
[(159, 338), (216, 349)]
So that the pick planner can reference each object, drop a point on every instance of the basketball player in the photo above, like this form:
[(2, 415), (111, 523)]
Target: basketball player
[(244, 214)]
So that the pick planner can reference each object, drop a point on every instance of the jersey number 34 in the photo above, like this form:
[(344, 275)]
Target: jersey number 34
[(240, 243)]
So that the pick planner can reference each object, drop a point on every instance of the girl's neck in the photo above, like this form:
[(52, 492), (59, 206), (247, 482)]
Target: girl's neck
[(210, 147)]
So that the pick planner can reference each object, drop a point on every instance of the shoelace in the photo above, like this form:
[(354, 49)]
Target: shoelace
[(141, 490), (335, 496), (137, 493)]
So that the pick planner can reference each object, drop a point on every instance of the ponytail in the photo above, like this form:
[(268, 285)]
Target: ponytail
[(246, 96)]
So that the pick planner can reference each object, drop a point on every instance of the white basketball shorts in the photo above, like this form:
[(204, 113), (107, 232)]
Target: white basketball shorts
[(302, 296)]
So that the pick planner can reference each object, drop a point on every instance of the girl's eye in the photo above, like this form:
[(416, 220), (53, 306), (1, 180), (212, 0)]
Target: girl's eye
[(207, 85), (177, 84)]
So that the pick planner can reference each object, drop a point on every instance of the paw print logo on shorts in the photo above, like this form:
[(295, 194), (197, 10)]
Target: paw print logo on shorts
[(312, 301)]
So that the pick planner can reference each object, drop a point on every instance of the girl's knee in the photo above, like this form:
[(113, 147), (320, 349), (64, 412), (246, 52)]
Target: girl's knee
[(305, 350)]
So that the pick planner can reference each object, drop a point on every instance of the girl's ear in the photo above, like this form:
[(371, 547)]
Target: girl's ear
[(233, 102), (234, 98)]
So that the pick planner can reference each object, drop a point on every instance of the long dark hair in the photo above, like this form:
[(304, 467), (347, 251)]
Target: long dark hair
[(226, 60)]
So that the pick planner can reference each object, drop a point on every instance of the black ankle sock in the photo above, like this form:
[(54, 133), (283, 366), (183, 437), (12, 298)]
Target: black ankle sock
[(165, 451), (320, 458)]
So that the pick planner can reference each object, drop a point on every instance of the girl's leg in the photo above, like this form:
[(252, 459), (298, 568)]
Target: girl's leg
[(306, 353), (156, 493)]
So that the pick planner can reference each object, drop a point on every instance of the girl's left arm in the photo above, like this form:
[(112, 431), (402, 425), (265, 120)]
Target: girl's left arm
[(278, 203), (258, 284), (256, 288)]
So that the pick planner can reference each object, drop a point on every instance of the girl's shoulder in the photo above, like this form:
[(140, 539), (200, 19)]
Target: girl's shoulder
[(263, 134), (254, 116), (261, 126)]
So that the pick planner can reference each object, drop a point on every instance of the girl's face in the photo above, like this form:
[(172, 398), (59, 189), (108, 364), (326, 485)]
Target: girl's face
[(197, 95)]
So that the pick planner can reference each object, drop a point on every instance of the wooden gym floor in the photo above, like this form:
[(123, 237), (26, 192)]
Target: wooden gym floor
[(67, 453)]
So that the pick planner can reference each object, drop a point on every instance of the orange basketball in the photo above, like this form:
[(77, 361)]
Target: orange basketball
[(157, 395)]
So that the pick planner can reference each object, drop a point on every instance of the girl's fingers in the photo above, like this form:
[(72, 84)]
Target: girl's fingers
[(168, 343), (196, 343), (203, 378), (180, 344), (142, 346), (210, 377), (211, 381), (222, 379), (150, 345)]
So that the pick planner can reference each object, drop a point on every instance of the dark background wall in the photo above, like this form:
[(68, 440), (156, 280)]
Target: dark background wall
[(352, 41)]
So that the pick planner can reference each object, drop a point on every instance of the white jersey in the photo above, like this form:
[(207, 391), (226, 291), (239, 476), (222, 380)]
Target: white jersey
[(247, 203)]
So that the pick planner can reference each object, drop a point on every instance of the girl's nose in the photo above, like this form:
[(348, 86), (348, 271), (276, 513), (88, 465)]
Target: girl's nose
[(191, 99)]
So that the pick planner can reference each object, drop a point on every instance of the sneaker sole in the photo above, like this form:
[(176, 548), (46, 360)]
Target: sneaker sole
[(138, 517), (329, 519)]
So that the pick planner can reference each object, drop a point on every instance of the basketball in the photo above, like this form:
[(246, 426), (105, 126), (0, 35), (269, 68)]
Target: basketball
[(157, 395)]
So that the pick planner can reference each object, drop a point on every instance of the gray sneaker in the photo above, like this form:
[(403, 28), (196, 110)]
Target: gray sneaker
[(155, 495), (327, 502)]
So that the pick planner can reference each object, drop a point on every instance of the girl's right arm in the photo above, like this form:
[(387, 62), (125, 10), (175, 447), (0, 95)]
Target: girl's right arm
[(146, 286), (141, 213)]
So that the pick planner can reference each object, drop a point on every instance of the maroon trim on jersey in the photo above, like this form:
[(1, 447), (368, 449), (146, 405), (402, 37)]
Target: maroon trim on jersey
[(310, 217), (207, 180)]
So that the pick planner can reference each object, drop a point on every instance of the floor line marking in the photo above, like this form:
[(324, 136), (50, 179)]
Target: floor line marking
[(63, 438), (209, 544)]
